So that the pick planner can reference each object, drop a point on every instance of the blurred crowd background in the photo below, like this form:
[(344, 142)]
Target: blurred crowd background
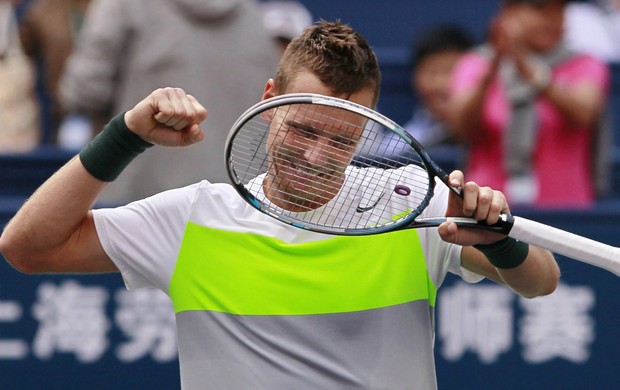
[(453, 76)]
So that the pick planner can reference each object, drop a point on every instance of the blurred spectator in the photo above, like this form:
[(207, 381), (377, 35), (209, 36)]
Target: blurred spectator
[(530, 108), (284, 20), (48, 29), (594, 28), (20, 127), (215, 50), (433, 57)]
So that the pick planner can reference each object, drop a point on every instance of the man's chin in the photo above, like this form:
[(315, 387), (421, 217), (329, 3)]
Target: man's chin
[(296, 198)]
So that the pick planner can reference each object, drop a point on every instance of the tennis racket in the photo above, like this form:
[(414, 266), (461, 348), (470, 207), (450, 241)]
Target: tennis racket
[(333, 166)]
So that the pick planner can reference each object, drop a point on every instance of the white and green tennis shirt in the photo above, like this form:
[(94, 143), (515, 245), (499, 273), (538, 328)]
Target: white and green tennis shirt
[(263, 305)]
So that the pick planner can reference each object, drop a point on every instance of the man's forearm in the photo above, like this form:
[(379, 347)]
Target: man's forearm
[(538, 275)]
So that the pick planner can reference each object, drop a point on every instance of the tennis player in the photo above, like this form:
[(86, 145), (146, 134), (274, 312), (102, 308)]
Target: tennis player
[(260, 304)]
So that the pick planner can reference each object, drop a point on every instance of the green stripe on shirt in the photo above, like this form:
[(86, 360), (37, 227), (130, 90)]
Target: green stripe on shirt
[(250, 274)]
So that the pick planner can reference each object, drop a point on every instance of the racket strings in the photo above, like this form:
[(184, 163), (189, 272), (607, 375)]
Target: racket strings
[(327, 167), (248, 154), (384, 148)]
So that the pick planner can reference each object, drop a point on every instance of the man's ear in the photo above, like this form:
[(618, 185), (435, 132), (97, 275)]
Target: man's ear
[(270, 90)]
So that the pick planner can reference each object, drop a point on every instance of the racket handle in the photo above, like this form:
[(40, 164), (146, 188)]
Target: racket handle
[(567, 244)]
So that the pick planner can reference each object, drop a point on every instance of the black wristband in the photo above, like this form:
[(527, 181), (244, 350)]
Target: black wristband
[(109, 153), (506, 253)]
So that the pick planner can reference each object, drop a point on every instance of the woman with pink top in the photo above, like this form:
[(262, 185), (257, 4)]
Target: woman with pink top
[(529, 108)]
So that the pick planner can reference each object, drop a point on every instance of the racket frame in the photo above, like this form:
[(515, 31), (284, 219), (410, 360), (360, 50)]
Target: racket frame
[(411, 221), (535, 233)]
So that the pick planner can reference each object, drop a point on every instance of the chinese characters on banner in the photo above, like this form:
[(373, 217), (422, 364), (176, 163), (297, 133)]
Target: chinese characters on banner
[(72, 319), (481, 319), (474, 318)]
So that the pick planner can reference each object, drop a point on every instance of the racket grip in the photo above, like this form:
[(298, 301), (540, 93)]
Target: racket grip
[(567, 244)]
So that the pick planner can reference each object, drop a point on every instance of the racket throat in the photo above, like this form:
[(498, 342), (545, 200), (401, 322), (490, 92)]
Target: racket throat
[(503, 226)]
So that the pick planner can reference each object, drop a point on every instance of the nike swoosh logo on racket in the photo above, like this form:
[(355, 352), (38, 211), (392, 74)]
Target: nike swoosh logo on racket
[(360, 209)]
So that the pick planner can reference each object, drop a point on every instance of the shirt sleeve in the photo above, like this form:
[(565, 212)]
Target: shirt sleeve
[(442, 257), (143, 238), (586, 68), (468, 72)]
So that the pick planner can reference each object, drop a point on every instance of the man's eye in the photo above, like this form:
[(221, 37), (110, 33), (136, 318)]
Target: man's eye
[(302, 132), (343, 143)]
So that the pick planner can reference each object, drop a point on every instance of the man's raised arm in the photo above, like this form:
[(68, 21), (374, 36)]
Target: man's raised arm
[(54, 230)]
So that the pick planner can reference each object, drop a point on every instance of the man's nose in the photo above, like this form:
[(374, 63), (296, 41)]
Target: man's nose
[(318, 152)]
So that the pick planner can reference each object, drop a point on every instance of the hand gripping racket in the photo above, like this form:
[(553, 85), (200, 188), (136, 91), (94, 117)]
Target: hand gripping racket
[(333, 166)]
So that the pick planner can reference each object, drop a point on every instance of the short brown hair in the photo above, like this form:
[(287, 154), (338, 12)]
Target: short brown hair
[(338, 55)]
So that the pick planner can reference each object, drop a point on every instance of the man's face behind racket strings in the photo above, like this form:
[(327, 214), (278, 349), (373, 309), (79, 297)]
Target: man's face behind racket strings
[(310, 147)]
